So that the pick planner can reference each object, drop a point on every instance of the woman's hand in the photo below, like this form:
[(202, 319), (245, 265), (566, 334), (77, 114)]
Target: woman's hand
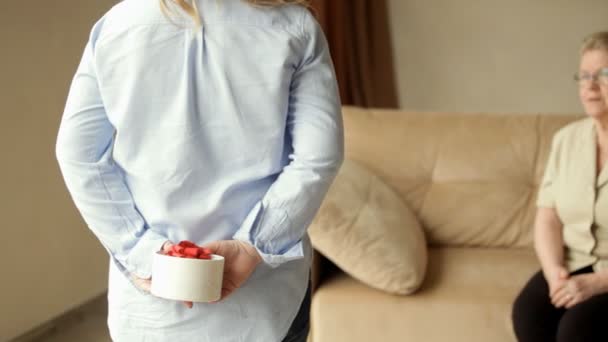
[(240, 260), (146, 284), (575, 290), (556, 278)]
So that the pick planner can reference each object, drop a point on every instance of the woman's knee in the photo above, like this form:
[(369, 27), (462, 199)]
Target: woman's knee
[(534, 317), (523, 314), (572, 327), (585, 322), (520, 311)]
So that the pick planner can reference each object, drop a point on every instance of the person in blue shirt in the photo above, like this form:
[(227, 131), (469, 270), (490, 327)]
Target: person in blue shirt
[(214, 121)]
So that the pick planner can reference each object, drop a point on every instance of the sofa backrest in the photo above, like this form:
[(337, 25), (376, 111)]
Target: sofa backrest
[(471, 179)]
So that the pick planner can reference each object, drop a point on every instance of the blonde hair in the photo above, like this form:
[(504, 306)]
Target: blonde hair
[(595, 41), (189, 6)]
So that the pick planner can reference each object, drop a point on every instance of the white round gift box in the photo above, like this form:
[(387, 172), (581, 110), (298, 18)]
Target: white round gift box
[(194, 280)]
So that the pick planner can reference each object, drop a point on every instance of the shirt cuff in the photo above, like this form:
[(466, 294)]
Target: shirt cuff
[(139, 260), (295, 252)]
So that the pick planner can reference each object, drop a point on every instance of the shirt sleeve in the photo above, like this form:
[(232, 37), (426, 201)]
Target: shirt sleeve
[(95, 182), (547, 189), (276, 224)]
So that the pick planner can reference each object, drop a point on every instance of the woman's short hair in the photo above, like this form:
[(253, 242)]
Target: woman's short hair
[(595, 41)]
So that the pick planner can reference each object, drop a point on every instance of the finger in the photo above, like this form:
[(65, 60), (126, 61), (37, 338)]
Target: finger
[(559, 299), (563, 274), (144, 284), (563, 300), (576, 299), (571, 303), (559, 286), (227, 287), (225, 293), (147, 285), (559, 294), (167, 246), (214, 246), (560, 303)]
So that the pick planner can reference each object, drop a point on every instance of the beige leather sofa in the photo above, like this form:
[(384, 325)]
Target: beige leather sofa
[(472, 180)]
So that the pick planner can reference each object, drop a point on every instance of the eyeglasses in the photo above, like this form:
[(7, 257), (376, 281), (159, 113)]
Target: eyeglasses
[(601, 77)]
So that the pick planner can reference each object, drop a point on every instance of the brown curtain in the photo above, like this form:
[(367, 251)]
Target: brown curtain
[(360, 44)]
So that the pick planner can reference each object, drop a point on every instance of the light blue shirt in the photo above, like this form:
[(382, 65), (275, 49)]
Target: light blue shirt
[(231, 130)]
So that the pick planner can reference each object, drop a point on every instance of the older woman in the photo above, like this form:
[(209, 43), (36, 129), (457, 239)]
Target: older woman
[(568, 299)]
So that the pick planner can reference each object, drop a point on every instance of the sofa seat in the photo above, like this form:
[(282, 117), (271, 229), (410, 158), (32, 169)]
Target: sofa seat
[(467, 296)]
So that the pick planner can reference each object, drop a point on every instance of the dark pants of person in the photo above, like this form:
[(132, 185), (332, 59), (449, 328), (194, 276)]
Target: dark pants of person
[(535, 319), (298, 332)]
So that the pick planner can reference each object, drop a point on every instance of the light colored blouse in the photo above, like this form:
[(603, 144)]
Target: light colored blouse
[(231, 130), (570, 185)]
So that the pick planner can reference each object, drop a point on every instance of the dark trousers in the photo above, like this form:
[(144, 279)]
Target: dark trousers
[(535, 319), (298, 332)]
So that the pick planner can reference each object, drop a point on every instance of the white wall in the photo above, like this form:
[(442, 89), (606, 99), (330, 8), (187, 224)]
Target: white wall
[(491, 55), (49, 261)]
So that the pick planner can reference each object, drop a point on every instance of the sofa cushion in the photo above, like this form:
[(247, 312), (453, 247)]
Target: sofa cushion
[(466, 297), (368, 231)]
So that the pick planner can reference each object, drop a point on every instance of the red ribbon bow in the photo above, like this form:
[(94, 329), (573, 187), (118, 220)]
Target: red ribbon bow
[(188, 249)]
